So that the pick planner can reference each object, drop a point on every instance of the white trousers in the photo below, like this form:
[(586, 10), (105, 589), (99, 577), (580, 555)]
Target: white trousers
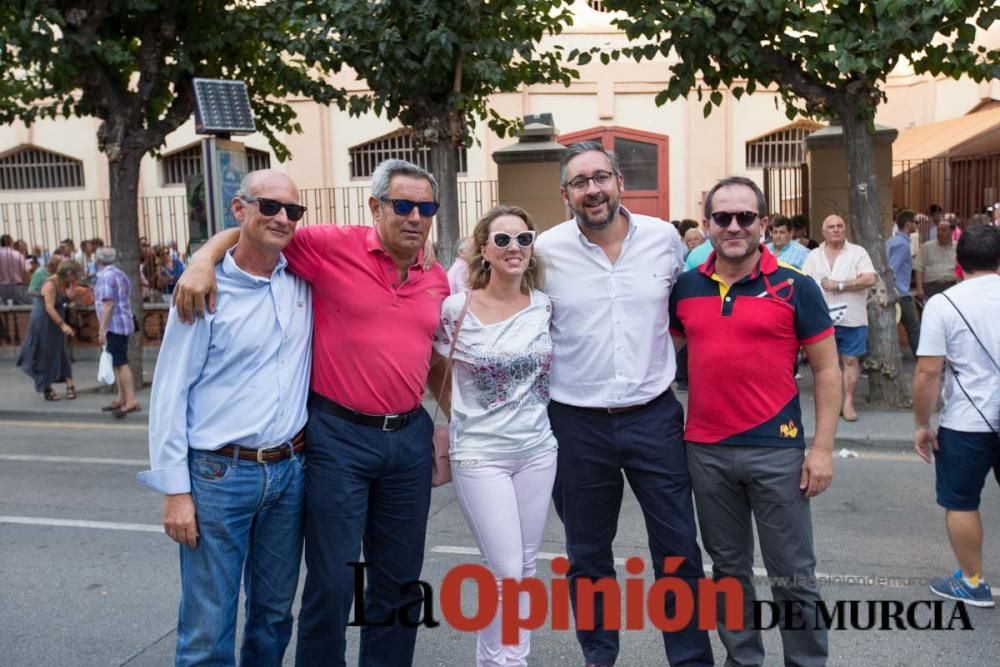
[(506, 503)]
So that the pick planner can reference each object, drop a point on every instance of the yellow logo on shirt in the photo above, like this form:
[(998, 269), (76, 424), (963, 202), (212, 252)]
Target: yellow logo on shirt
[(789, 430)]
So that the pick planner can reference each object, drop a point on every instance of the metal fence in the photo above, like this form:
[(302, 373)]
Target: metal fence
[(961, 185), (165, 218), (786, 190)]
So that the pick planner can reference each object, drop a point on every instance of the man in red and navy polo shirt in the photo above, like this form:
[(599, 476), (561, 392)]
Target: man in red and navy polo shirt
[(744, 315)]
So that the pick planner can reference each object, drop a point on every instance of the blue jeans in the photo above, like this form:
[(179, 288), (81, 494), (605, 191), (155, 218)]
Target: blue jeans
[(249, 523), (364, 488)]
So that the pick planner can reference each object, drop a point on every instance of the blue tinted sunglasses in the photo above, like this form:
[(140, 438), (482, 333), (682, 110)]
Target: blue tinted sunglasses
[(405, 207)]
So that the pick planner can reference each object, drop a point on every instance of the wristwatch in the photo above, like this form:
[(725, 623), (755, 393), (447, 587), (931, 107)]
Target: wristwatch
[(840, 286)]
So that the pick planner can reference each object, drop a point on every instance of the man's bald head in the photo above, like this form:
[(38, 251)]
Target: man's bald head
[(834, 229), (254, 181)]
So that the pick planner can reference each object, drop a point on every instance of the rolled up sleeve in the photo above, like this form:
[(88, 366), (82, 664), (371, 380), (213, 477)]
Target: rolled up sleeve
[(182, 356)]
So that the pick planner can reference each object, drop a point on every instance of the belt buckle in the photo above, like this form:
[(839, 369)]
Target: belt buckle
[(385, 423), (260, 455)]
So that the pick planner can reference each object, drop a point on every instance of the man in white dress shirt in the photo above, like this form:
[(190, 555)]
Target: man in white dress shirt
[(609, 273)]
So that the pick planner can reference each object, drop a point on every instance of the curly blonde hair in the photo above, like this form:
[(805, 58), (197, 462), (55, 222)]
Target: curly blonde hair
[(479, 273)]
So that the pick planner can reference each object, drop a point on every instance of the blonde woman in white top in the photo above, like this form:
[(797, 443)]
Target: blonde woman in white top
[(503, 452)]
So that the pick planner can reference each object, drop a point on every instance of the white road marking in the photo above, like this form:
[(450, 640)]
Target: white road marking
[(824, 578), (34, 458), (110, 425), (79, 523)]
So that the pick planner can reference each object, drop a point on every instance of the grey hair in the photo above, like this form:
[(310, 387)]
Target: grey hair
[(581, 147), (384, 172), (736, 180), (106, 255)]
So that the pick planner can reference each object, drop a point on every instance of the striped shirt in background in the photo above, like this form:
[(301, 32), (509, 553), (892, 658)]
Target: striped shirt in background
[(851, 263), (113, 285)]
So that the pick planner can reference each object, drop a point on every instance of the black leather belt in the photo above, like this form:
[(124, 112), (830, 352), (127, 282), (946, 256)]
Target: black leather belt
[(383, 422), (267, 454), (624, 408)]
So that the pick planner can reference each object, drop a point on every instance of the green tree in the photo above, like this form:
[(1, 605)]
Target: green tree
[(827, 58), (433, 64), (130, 63)]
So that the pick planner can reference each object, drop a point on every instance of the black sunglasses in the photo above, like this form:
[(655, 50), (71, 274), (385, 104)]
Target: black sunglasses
[(405, 207), (743, 218), (502, 239), (271, 207)]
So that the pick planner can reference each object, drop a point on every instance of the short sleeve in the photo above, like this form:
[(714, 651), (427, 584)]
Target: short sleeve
[(308, 250), (675, 324), (812, 317), (919, 259), (865, 262), (809, 266), (933, 333)]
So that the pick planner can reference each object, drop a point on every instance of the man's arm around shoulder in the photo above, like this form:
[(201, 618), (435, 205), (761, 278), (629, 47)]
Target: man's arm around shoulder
[(196, 287)]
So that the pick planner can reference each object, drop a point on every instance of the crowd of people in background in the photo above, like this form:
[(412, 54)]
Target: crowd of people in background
[(22, 271)]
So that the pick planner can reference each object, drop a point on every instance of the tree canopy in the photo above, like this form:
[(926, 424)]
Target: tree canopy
[(433, 65), (130, 63), (826, 58)]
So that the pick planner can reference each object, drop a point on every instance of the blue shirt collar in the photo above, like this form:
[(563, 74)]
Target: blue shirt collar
[(231, 269)]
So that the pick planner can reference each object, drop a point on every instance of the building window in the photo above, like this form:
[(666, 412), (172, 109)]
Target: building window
[(37, 169), (178, 166), (785, 147), (395, 145)]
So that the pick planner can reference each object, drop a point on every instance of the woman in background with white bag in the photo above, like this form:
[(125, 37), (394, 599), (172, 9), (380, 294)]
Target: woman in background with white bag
[(503, 452), (115, 325)]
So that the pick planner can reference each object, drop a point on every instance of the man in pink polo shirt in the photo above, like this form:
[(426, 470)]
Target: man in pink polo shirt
[(368, 480)]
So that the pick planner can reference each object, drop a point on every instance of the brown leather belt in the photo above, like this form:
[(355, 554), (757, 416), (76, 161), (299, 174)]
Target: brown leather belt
[(269, 454)]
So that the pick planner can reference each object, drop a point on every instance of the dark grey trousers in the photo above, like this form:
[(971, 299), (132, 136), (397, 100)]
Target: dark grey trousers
[(730, 484)]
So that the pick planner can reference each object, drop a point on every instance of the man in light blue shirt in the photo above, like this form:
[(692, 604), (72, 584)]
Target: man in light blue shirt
[(782, 245), (225, 438), (698, 255), (897, 250)]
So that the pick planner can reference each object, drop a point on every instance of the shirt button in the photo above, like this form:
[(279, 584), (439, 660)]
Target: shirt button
[(729, 298)]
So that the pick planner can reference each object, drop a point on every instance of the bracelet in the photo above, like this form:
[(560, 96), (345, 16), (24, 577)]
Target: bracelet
[(922, 427)]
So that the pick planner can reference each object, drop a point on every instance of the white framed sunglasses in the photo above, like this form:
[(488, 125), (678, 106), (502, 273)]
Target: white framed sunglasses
[(502, 239)]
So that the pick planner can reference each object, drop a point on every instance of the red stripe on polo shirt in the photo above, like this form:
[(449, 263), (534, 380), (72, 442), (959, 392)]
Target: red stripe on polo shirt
[(742, 348), (371, 336)]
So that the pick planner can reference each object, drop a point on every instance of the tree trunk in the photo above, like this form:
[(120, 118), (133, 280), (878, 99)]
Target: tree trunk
[(444, 166), (884, 364), (124, 177)]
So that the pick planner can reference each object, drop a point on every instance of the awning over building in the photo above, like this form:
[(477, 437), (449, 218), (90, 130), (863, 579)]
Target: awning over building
[(973, 134)]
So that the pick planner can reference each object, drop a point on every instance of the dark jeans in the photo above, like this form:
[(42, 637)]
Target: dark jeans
[(371, 488), (647, 445), (911, 324)]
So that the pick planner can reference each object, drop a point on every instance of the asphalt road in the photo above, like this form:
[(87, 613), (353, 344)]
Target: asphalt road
[(87, 578)]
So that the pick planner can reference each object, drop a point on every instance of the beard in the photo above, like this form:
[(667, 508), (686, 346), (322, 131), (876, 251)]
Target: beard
[(613, 203), (752, 245)]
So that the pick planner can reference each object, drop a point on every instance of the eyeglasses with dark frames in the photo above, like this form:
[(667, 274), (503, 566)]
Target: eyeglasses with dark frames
[(426, 209), (600, 178), (271, 207), (503, 239), (743, 218)]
